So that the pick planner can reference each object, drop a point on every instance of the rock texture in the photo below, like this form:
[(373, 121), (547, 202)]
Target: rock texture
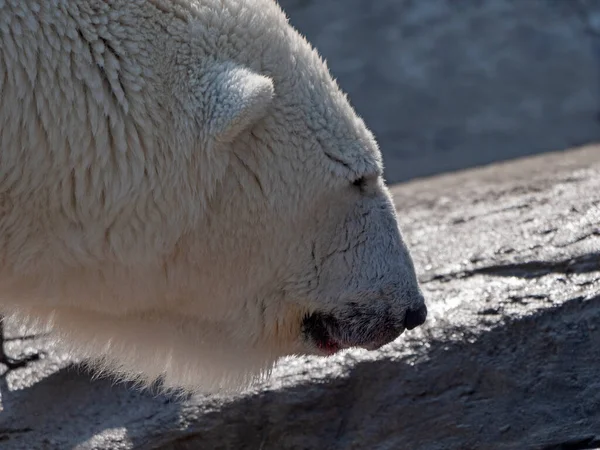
[(450, 84), (509, 257)]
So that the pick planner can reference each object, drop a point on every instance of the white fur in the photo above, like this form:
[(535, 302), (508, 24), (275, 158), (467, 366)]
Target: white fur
[(176, 187)]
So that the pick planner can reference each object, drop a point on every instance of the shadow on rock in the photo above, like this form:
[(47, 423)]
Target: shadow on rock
[(531, 383), (68, 408)]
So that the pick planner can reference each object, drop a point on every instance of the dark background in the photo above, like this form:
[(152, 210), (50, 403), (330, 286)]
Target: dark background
[(451, 84)]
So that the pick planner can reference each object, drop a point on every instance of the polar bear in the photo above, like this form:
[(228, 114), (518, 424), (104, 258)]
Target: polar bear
[(186, 195)]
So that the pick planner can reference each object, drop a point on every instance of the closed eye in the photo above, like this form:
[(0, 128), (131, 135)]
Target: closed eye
[(365, 181), (360, 182)]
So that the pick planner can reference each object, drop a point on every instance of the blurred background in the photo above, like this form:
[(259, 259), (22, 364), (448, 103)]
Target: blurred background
[(452, 84)]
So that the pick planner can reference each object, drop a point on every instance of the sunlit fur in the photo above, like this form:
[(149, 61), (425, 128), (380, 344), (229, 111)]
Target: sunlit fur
[(176, 188)]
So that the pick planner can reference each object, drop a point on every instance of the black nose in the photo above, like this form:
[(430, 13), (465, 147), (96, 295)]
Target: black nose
[(415, 317)]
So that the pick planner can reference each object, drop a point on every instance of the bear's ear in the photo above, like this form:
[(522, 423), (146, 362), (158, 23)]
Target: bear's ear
[(236, 98)]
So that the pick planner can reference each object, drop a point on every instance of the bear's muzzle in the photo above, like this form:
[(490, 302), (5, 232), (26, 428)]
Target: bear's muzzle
[(329, 333)]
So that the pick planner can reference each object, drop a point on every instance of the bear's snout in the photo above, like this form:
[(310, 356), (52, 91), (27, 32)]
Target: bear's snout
[(354, 326)]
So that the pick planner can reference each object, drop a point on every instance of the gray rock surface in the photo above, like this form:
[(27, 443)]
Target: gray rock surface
[(448, 84), (509, 257)]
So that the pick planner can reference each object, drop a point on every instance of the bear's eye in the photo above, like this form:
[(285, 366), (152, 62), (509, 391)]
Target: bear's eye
[(364, 182), (360, 183)]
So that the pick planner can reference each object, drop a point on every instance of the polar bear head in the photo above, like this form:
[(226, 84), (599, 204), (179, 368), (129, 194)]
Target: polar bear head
[(212, 199), (303, 234)]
